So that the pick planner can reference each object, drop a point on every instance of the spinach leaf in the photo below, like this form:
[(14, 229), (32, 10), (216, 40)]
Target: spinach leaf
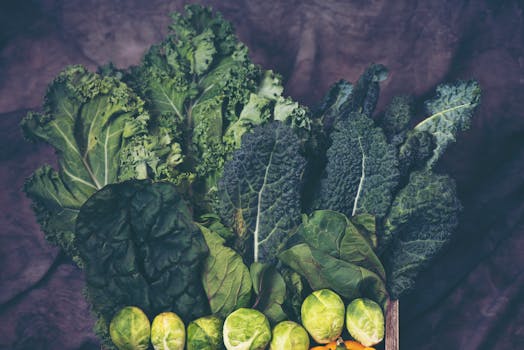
[(225, 278)]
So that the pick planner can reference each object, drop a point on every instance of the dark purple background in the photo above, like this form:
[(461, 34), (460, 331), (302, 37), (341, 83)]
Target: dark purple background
[(473, 295)]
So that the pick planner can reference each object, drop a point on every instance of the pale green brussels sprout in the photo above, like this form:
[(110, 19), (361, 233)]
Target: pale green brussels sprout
[(322, 315), (168, 332), (246, 329), (288, 335), (205, 333), (130, 329), (365, 321)]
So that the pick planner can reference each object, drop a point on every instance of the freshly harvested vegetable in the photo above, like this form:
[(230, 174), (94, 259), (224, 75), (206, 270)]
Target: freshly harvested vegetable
[(323, 315), (288, 335), (225, 277), (205, 333), (246, 329), (168, 332), (270, 290), (365, 321), (130, 329), (259, 191), (140, 247), (342, 345)]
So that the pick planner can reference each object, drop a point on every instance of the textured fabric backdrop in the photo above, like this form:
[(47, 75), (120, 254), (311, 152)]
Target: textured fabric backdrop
[(473, 295)]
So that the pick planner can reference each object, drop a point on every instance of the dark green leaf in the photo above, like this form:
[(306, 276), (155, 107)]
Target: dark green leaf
[(270, 289)]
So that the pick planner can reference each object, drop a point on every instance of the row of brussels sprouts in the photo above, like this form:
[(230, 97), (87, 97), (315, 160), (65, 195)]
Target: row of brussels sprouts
[(323, 314)]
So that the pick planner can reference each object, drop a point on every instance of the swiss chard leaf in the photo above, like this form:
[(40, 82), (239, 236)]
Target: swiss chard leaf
[(270, 290), (140, 247), (451, 111), (421, 221), (361, 171), (225, 277), (259, 191), (86, 118)]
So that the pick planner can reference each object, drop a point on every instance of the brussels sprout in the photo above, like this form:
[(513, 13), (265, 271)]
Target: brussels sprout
[(130, 329), (288, 335), (365, 321), (205, 333), (168, 332), (323, 315), (246, 329)]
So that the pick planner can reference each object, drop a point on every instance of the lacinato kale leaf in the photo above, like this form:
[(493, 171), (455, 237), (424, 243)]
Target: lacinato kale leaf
[(203, 93), (361, 171), (421, 221), (259, 192), (225, 277), (396, 119), (87, 118), (140, 247), (450, 112)]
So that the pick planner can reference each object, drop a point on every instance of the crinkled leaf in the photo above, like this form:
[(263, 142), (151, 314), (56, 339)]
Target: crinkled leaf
[(361, 171), (270, 290), (260, 191), (86, 118), (451, 111), (421, 221), (396, 119), (225, 277), (140, 247)]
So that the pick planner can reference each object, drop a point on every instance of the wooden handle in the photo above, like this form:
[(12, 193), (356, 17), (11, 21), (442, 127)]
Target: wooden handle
[(392, 326)]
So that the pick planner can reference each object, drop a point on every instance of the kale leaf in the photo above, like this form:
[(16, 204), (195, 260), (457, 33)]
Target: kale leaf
[(451, 111), (361, 171), (420, 222), (140, 247), (259, 191), (87, 118)]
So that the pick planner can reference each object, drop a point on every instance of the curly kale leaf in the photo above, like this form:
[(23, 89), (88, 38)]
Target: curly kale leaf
[(140, 247), (203, 93), (259, 192), (87, 118), (451, 111), (361, 171), (421, 221)]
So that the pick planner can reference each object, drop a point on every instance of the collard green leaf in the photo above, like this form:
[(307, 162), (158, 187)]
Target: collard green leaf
[(225, 277), (86, 118), (331, 246), (421, 221), (361, 171), (260, 191), (321, 270), (140, 247), (451, 111), (270, 290)]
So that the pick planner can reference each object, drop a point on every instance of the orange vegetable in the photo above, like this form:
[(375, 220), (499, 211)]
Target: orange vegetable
[(350, 345)]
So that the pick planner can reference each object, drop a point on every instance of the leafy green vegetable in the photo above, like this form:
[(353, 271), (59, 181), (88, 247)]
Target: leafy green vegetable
[(87, 118), (451, 111), (396, 119), (130, 329), (205, 333), (270, 289), (260, 191), (415, 152), (203, 93), (246, 329), (330, 109), (332, 253), (361, 170), (365, 321), (141, 247), (323, 315), (225, 278), (168, 332), (421, 220)]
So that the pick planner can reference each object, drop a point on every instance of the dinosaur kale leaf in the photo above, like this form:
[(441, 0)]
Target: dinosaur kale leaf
[(421, 221), (450, 112), (361, 171), (259, 192)]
